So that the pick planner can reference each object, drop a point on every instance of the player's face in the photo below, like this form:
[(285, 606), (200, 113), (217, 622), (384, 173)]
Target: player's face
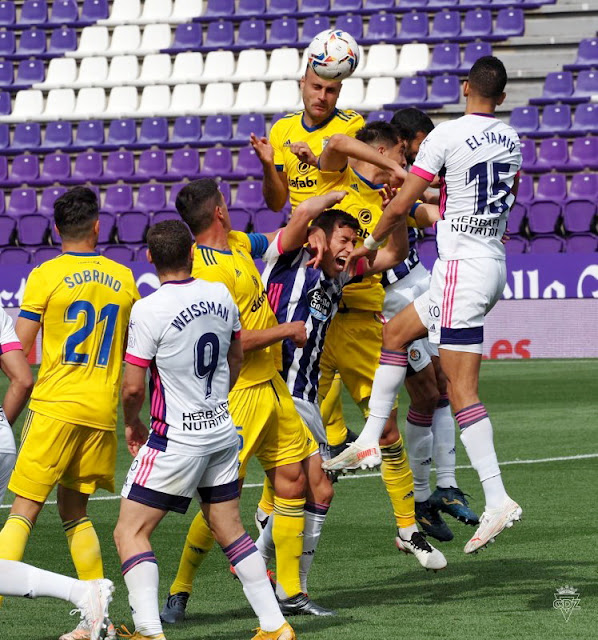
[(413, 147), (397, 153), (340, 244), (319, 96)]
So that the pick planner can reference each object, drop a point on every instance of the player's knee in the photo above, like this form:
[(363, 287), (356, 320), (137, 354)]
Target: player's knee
[(391, 338), (322, 492), (290, 481)]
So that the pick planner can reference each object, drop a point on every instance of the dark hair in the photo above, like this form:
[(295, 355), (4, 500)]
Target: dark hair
[(378, 132), (196, 202), (75, 213), (412, 121), (169, 243), (332, 218), (488, 77)]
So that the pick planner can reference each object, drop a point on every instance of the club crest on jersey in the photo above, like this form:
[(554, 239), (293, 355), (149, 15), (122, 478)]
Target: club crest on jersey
[(415, 355), (320, 305), (365, 216), (325, 142), (303, 168)]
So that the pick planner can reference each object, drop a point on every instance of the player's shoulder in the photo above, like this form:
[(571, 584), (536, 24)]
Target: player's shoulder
[(349, 115), (287, 122)]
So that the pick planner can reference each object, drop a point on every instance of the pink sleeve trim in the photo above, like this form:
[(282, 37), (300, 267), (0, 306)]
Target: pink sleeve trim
[(10, 346), (236, 335), (140, 362), (422, 173), (279, 243), (360, 267)]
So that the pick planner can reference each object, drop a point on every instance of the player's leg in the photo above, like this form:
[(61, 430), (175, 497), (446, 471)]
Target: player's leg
[(265, 506)]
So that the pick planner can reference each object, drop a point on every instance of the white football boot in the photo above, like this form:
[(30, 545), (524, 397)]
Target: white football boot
[(493, 522)]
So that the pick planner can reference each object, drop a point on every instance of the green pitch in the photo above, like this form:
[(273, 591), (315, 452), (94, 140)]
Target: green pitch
[(540, 410)]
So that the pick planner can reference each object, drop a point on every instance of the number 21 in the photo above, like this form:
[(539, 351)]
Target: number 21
[(107, 315)]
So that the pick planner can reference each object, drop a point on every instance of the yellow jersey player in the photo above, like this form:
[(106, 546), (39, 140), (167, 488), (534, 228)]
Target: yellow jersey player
[(260, 403), (83, 302)]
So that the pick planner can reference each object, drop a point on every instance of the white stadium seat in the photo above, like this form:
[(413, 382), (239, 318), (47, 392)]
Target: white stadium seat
[(352, 93), (91, 103), (62, 72), (123, 11), (184, 10), (122, 102), (188, 67), (155, 37), (283, 96), (156, 69), (155, 100), (381, 61), (284, 64), (126, 38), (185, 100), (379, 91), (251, 96), (93, 71), (219, 97), (252, 64), (123, 70), (94, 41), (218, 65), (413, 58), (156, 11), (28, 105), (58, 103)]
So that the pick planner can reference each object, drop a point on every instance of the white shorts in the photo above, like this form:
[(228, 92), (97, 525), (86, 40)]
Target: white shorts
[(168, 481), (8, 455), (401, 294), (461, 293), (311, 415)]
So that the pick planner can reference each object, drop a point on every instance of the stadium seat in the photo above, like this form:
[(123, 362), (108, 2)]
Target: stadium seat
[(156, 11), (184, 163), (217, 162), (153, 131), (218, 98), (219, 35), (525, 192), (187, 67), (552, 154), (155, 38), (446, 58), (33, 12), (5, 103), (247, 124), (24, 169), (187, 37), (88, 167), (584, 186), (251, 96), (266, 221), (444, 90), (32, 230), (586, 86), (516, 245), (47, 199), (473, 51), (379, 116), (89, 135), (121, 133), (283, 32), (552, 186), (91, 103), (27, 136), (283, 96), (509, 23), (62, 72), (378, 92), (56, 168), (579, 216), (251, 33), (413, 92), (556, 120), (22, 202), (32, 43), (126, 38), (446, 25), (14, 256), (161, 216), (186, 130), (8, 14), (123, 69), (151, 197), (342, 6), (94, 41), (251, 8), (248, 165), (585, 120), (94, 10), (7, 43), (7, 230), (29, 72), (528, 155), (7, 74), (309, 7), (122, 102), (62, 41), (546, 244), (311, 27), (252, 64), (352, 95), (174, 190), (414, 28), (352, 24), (582, 243), (525, 120), (155, 99), (219, 9), (413, 58), (543, 217), (64, 12), (587, 55), (43, 254), (59, 104), (382, 60), (120, 165), (184, 10), (282, 7), (123, 12), (131, 226), (218, 65), (517, 215), (93, 71), (558, 86), (249, 196), (118, 253), (118, 198), (477, 24), (185, 99)]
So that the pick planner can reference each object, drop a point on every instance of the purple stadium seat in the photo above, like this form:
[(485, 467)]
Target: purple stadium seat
[(542, 217), (64, 12), (3, 169), (7, 43), (380, 116), (413, 92), (582, 243), (14, 255), (48, 197), (477, 23), (61, 41), (225, 190), (162, 216), (90, 135), (587, 55), (578, 216), (23, 170), (311, 27), (131, 226), (152, 165), (4, 138), (525, 192), (382, 27), (248, 164), (585, 120), (525, 120), (345, 6), (586, 85), (472, 52), (187, 37), (217, 129), (283, 32), (436, 5), (118, 253), (219, 9), (94, 10), (57, 135), (151, 198), (184, 163), (43, 254), (247, 124), (26, 136), (7, 230), (509, 23), (88, 167), (516, 245), (352, 24), (558, 86), (265, 221), (528, 155), (185, 131), (309, 7), (5, 103), (378, 4), (174, 190), (120, 165), (251, 33), (556, 120), (552, 186), (32, 43), (217, 162), (239, 218), (444, 90), (249, 196), (121, 133), (517, 215), (546, 244), (584, 186), (29, 72), (220, 35), (446, 58), (118, 198), (32, 229), (445, 26), (282, 7), (552, 154), (56, 168), (8, 14), (34, 12), (153, 131), (251, 8), (414, 27), (7, 74), (141, 253)]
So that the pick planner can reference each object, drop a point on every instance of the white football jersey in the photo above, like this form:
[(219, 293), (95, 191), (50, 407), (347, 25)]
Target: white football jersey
[(477, 158), (183, 332), (8, 342)]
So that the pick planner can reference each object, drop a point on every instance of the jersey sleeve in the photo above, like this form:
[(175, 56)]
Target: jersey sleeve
[(431, 155), (274, 251), (142, 343), (355, 125), (8, 337), (35, 297), (258, 244), (276, 142)]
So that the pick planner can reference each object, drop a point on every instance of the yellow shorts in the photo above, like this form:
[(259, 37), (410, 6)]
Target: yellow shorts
[(52, 451), (269, 426)]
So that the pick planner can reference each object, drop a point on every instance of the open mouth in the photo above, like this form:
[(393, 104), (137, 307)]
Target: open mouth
[(340, 262)]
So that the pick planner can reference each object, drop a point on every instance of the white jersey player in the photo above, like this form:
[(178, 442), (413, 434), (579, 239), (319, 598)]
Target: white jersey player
[(187, 334), (478, 159)]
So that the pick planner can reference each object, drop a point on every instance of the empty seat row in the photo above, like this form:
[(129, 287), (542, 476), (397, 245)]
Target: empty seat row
[(447, 58), (561, 86), (587, 56), (23, 256), (557, 120), (36, 43), (578, 216), (553, 186), (553, 154)]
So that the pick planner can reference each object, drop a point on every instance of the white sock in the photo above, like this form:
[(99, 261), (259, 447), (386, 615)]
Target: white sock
[(405, 533), (315, 515), (23, 580), (389, 378), (265, 542), (418, 432), (477, 438), (141, 577), (251, 570), (443, 430)]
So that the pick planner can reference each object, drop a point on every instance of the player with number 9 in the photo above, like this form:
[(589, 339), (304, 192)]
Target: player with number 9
[(82, 301)]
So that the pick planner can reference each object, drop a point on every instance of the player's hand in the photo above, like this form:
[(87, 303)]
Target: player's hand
[(263, 149), (135, 435), (304, 153), (398, 175), (297, 333), (356, 255), (318, 244), (388, 193)]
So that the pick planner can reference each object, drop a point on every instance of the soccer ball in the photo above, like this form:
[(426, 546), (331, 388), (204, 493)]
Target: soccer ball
[(333, 54)]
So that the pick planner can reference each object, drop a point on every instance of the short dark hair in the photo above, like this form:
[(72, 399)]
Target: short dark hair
[(332, 218), (169, 243), (196, 202), (488, 77), (75, 213), (378, 132), (413, 121)]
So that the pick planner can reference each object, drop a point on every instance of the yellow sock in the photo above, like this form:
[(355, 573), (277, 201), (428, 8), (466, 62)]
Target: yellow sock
[(14, 536), (287, 533), (85, 548), (398, 479), (197, 545), (336, 428), (329, 401), (266, 503)]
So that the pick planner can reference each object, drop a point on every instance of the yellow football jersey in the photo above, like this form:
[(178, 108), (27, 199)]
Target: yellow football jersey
[(83, 302), (237, 270), (302, 178)]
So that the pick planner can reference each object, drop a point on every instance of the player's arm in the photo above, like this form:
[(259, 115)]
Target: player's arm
[(16, 368), (133, 397), (396, 249), (426, 215), (235, 359), (255, 339), (274, 185), (27, 330)]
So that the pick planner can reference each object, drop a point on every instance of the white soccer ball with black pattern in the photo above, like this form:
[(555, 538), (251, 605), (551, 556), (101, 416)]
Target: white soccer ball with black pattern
[(333, 54)]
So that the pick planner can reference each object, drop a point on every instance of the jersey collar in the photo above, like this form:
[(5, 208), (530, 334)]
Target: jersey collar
[(80, 255), (318, 126), (185, 281), (483, 115), (203, 246), (371, 185)]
